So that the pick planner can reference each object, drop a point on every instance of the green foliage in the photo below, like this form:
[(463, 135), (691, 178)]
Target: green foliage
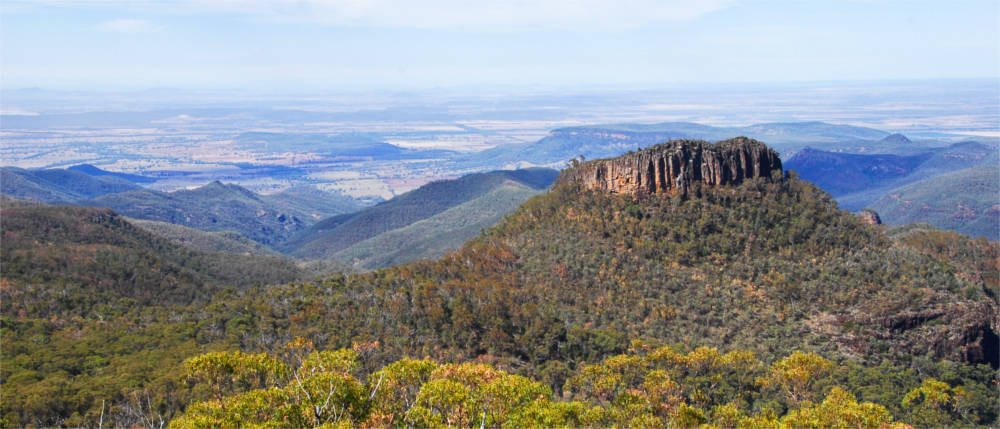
[(236, 371), (65, 261), (838, 409), (206, 241), (396, 388), (935, 403), (259, 390), (412, 393), (797, 375)]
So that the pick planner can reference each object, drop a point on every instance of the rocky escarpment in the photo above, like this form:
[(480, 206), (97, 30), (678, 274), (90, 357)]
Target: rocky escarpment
[(870, 217), (676, 167)]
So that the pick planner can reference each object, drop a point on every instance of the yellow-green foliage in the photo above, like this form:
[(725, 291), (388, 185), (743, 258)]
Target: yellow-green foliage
[(796, 374), (650, 388), (933, 403), (839, 409)]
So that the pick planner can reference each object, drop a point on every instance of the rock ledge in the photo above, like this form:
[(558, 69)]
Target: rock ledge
[(677, 166)]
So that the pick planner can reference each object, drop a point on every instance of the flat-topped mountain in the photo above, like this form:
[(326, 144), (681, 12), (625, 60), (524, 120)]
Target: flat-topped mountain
[(676, 166)]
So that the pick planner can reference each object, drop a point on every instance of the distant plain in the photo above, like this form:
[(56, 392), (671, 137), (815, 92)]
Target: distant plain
[(373, 146)]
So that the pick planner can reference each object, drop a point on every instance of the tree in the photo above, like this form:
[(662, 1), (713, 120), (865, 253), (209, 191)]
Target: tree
[(933, 403), (839, 409), (396, 388), (797, 374)]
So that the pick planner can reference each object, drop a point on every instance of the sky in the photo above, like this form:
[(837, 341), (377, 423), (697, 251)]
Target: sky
[(408, 44)]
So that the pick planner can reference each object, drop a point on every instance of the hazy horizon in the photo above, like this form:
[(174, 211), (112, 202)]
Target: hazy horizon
[(295, 46)]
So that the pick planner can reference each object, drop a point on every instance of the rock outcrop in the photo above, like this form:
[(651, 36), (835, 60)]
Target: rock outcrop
[(870, 217), (677, 166)]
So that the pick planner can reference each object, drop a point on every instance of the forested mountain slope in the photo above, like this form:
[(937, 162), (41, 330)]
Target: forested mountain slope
[(335, 234), (266, 219), (967, 201), (433, 237), (580, 289), (65, 260)]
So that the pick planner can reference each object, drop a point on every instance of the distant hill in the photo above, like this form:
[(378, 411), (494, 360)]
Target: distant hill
[(220, 207), (897, 139), (436, 235), (602, 141), (957, 157), (857, 180), (967, 201), (312, 204), (336, 146), (206, 241), (815, 131), (330, 236), (58, 185), (844, 173), (94, 171)]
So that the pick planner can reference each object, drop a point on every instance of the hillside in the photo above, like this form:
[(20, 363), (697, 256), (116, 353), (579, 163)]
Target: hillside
[(220, 207), (206, 241), (75, 260), (749, 296), (858, 180), (443, 232), (312, 204), (769, 265), (332, 235), (845, 173), (58, 185), (967, 201), (765, 265)]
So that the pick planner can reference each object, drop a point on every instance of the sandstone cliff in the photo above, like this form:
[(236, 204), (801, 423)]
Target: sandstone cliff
[(677, 166), (870, 217)]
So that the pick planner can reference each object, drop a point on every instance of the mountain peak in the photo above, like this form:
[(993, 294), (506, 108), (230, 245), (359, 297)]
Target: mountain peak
[(675, 166), (895, 139)]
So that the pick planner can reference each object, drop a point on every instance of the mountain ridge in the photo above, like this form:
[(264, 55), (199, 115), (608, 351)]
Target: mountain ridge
[(337, 233)]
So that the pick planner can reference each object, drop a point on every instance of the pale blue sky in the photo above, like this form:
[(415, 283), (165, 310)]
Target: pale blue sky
[(334, 44)]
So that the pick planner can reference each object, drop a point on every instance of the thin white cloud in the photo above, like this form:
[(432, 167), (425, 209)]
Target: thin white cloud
[(484, 15), (129, 26), (479, 15)]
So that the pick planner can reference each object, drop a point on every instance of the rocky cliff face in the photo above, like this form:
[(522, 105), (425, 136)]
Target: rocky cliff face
[(677, 166), (870, 217)]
